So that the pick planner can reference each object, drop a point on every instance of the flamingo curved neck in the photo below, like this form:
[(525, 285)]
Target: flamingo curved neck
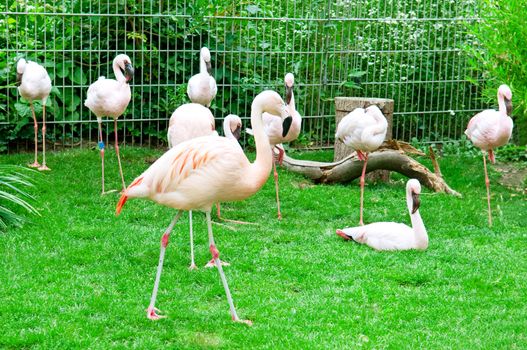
[(227, 129), (418, 226), (119, 76), (202, 65), (261, 167), (502, 108)]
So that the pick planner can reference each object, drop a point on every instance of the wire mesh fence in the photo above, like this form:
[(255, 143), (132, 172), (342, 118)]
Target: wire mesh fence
[(410, 51)]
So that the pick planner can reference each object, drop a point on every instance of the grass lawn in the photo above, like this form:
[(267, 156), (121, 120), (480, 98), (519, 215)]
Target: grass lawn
[(79, 277)]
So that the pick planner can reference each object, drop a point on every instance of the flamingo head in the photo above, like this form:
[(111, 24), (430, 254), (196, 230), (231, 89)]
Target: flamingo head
[(270, 101), (205, 56), (125, 65), (235, 124), (413, 188), (289, 81), (506, 93)]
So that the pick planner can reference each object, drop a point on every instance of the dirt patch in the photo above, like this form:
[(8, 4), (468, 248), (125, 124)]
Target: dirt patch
[(513, 175)]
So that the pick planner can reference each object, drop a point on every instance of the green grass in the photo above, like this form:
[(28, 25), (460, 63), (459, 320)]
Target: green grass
[(79, 277)]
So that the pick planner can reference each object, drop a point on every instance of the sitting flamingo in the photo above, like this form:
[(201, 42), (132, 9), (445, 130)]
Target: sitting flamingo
[(392, 235), (491, 129)]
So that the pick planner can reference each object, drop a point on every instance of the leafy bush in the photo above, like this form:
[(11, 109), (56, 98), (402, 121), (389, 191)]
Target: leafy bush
[(499, 55), (12, 181)]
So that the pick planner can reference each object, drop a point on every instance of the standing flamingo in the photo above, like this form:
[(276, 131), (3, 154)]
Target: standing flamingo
[(109, 98), (200, 172), (491, 129), (393, 235), (189, 121), (202, 86), (274, 129), (363, 130), (35, 84)]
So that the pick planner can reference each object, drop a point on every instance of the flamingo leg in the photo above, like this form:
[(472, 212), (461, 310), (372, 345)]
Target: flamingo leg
[(362, 181), (218, 214), (277, 189), (216, 257), (151, 311), (101, 148), (35, 126), (43, 167), (192, 264), (118, 156), (487, 184)]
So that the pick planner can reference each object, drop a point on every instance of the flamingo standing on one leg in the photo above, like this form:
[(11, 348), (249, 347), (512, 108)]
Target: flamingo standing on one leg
[(200, 172), (363, 130), (274, 129), (491, 129), (392, 235), (35, 84), (202, 86), (189, 121), (109, 97)]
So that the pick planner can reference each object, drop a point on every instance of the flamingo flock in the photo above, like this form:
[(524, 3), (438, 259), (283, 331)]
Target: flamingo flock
[(202, 169)]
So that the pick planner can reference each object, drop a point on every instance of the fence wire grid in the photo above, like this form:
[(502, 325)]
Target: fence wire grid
[(409, 51)]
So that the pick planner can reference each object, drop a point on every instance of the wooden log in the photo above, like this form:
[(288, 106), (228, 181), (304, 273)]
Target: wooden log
[(349, 168)]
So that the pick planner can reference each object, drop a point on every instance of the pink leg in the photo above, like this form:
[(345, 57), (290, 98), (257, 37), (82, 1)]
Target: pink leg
[(487, 184), (35, 126), (216, 257), (362, 181), (151, 311), (281, 153), (43, 166), (101, 148), (118, 156), (277, 189), (218, 214), (192, 263)]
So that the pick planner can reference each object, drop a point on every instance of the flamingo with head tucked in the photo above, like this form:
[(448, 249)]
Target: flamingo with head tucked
[(109, 98), (363, 130), (491, 129), (202, 171), (202, 86), (35, 84), (393, 235)]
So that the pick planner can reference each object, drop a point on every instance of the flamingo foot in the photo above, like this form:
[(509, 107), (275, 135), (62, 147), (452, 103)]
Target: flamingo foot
[(152, 314), (247, 322), (279, 216), (343, 235), (107, 192), (192, 267), (239, 222), (34, 165), (211, 263), (43, 167)]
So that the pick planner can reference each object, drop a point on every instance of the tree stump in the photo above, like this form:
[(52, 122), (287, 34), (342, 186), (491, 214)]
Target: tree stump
[(344, 105)]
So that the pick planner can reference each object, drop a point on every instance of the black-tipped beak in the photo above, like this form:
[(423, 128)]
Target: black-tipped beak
[(416, 202), (286, 125), (237, 133), (508, 106), (18, 79), (209, 67), (128, 71), (288, 94)]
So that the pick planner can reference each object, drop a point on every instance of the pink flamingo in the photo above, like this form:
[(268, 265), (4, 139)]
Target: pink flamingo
[(202, 86), (491, 129), (109, 98), (200, 172), (393, 235), (274, 129), (363, 130), (35, 84), (189, 121)]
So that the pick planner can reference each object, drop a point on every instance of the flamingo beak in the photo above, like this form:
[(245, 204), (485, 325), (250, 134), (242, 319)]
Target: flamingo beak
[(209, 67), (508, 106), (237, 133), (286, 125), (416, 202), (288, 94), (18, 79), (342, 234), (128, 71)]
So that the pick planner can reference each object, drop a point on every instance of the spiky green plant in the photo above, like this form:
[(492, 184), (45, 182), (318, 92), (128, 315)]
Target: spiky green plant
[(14, 180)]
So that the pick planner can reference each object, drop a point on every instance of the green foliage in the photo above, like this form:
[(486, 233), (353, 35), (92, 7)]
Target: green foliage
[(499, 55), (14, 181)]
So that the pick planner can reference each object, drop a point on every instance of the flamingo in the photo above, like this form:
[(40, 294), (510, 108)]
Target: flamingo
[(109, 98), (274, 129), (189, 121), (202, 171), (202, 86), (491, 129), (393, 235), (35, 84), (363, 130)]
